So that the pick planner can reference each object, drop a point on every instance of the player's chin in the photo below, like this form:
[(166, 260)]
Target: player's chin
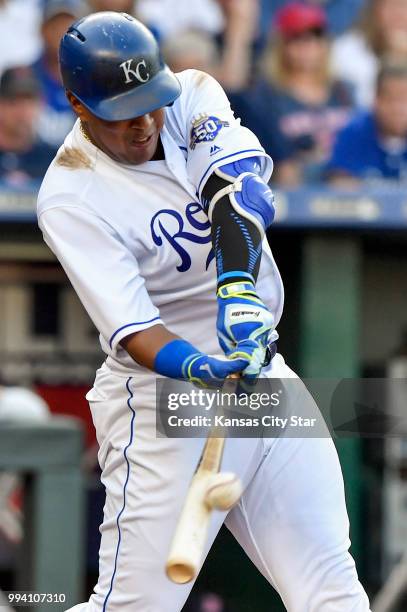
[(139, 153)]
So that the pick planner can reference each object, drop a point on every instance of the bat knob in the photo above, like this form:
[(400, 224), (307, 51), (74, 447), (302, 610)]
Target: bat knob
[(224, 491), (180, 571)]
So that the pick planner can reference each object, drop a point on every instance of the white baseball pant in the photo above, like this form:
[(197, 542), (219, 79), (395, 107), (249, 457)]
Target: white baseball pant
[(291, 520)]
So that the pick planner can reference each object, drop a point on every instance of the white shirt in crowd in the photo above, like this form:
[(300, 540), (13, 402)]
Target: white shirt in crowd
[(20, 42), (172, 16), (354, 61)]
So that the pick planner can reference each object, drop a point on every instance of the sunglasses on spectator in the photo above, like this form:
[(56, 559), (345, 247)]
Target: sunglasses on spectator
[(316, 32)]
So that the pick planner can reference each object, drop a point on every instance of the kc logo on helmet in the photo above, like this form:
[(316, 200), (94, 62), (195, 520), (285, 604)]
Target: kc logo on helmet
[(139, 73)]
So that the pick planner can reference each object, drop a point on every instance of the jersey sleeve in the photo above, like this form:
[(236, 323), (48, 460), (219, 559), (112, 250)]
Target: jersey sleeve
[(214, 135), (103, 272)]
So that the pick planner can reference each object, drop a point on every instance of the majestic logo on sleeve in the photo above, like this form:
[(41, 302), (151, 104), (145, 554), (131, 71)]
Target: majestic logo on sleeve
[(138, 73), (205, 128), (168, 228)]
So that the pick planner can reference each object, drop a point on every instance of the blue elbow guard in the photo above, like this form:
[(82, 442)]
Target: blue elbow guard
[(249, 195)]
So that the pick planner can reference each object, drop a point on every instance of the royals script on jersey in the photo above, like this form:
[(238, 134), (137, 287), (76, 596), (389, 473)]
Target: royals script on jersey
[(135, 241)]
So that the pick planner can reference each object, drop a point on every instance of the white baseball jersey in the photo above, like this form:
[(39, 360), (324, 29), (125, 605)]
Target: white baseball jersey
[(134, 240)]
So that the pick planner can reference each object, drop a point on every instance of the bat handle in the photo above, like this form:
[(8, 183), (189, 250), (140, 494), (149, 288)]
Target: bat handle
[(213, 451), (212, 455)]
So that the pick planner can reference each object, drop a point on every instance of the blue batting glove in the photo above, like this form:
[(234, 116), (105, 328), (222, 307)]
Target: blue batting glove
[(211, 370), (244, 325)]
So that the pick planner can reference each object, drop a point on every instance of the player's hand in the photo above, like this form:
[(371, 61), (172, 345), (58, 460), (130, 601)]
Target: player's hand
[(210, 371), (244, 325)]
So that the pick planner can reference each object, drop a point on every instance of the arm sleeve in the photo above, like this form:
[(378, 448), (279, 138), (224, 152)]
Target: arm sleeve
[(102, 270), (214, 136)]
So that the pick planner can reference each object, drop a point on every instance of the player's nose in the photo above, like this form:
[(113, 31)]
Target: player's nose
[(144, 122)]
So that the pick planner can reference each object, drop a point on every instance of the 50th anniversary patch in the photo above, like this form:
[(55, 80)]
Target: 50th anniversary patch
[(205, 128)]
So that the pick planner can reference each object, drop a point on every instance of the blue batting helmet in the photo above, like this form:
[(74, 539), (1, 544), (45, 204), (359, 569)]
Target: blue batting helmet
[(111, 62)]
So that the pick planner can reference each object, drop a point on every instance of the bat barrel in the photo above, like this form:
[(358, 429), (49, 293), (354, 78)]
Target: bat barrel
[(189, 541), (185, 556)]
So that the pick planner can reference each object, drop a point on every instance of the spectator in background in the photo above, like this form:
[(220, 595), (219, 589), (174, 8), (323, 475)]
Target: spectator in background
[(197, 49), (341, 14), (23, 406), (20, 42), (23, 157), (191, 49), (56, 118), (381, 36), (122, 6), (295, 107), (373, 147), (18, 404)]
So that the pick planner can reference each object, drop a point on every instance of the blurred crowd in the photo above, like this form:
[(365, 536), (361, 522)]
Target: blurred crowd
[(323, 83)]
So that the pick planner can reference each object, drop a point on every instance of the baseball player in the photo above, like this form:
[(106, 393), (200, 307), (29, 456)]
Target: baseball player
[(157, 206)]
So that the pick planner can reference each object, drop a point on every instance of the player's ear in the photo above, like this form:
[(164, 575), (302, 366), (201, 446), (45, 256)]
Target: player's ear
[(77, 106)]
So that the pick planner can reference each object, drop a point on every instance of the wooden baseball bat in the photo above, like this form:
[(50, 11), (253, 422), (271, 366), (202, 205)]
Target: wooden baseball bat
[(209, 489)]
